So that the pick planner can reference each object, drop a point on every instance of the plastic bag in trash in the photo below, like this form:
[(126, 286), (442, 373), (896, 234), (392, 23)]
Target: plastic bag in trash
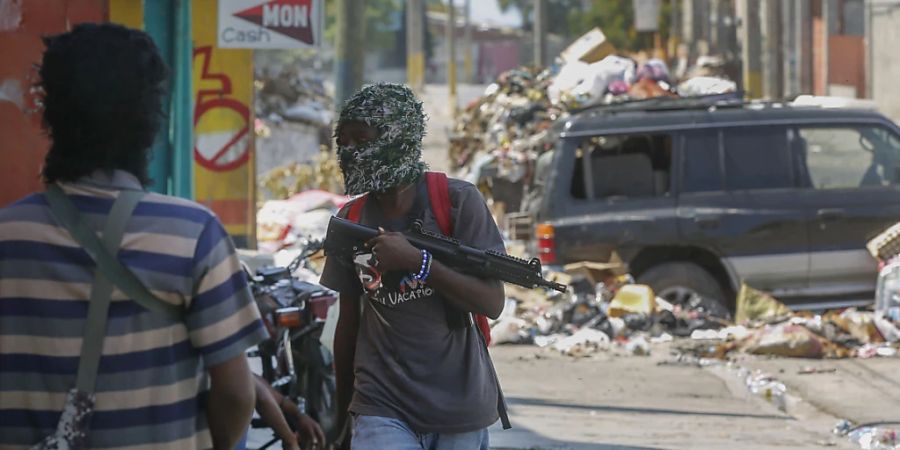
[(655, 70), (706, 86), (599, 76)]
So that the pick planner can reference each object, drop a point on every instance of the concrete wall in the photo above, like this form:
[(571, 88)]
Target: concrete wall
[(23, 143), (885, 58)]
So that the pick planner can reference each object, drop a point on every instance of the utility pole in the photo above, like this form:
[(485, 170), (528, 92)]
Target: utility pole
[(467, 45), (451, 55), (415, 45), (349, 59), (751, 47), (540, 32), (769, 51)]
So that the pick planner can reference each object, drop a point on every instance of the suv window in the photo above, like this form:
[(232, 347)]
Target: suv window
[(757, 158), (623, 166), (849, 157), (702, 162)]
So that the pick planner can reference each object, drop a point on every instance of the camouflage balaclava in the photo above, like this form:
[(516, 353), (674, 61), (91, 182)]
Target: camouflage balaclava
[(394, 157)]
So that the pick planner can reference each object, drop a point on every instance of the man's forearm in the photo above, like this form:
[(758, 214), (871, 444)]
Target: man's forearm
[(467, 292), (344, 352), (267, 405), (231, 402), (229, 419)]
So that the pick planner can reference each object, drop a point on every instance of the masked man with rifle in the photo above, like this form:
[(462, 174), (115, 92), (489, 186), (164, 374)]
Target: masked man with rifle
[(413, 370)]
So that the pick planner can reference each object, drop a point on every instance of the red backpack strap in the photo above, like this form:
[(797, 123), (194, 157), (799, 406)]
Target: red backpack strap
[(439, 197), (356, 206)]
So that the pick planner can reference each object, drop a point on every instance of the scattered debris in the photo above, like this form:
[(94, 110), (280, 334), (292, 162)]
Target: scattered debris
[(757, 306), (869, 436), (632, 299), (765, 386), (814, 370), (785, 340)]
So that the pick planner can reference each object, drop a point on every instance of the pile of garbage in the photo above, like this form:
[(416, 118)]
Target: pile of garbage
[(294, 115), (498, 138), (604, 308), (283, 223), (292, 94)]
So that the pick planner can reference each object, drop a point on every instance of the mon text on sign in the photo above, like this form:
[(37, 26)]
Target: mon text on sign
[(270, 23)]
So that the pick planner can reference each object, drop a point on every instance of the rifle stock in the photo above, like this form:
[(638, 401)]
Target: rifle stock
[(345, 238)]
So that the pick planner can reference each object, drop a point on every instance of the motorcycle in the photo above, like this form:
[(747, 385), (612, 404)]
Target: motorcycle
[(293, 359)]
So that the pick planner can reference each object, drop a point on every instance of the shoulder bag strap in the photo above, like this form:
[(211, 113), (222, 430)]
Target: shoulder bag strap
[(101, 293), (69, 217), (354, 214), (439, 198)]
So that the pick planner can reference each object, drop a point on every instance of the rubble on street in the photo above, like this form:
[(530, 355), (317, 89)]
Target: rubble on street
[(618, 314)]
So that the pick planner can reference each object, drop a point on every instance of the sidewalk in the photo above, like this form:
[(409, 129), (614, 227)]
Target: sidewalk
[(614, 402), (859, 390)]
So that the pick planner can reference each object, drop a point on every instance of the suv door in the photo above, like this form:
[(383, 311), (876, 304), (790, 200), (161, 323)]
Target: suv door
[(851, 179), (737, 198), (613, 193)]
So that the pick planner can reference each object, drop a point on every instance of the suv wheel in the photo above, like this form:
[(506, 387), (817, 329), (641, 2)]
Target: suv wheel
[(687, 284)]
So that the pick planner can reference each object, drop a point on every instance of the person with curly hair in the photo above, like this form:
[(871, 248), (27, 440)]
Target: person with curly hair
[(87, 359)]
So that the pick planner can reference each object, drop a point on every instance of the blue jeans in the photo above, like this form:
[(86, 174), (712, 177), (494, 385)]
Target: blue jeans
[(242, 444), (378, 433)]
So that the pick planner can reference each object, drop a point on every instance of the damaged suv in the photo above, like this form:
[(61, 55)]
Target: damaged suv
[(699, 198)]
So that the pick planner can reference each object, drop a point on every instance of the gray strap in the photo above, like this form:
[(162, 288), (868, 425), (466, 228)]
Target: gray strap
[(69, 217), (101, 293)]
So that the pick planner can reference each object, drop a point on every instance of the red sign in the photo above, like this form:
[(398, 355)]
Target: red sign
[(292, 18)]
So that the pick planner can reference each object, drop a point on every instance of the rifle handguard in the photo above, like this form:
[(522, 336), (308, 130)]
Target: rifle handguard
[(345, 238)]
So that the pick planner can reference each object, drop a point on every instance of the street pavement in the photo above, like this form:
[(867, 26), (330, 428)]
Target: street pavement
[(635, 403)]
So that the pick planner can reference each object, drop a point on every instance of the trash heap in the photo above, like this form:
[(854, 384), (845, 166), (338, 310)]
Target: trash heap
[(294, 115), (497, 138), (604, 308), (304, 215), (292, 94)]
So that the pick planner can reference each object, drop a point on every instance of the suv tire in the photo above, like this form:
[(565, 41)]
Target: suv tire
[(676, 281)]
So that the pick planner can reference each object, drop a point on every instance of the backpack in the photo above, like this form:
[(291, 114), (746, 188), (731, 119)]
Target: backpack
[(439, 199)]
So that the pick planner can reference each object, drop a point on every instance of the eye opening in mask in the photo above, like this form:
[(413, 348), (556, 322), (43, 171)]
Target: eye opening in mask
[(354, 132)]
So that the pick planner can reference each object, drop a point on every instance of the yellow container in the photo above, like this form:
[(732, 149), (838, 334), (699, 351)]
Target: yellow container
[(632, 299)]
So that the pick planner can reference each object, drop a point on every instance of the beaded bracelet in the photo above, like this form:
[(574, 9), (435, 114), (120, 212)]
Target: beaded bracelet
[(425, 270)]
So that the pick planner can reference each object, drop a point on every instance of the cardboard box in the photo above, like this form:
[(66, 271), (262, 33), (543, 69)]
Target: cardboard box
[(590, 48)]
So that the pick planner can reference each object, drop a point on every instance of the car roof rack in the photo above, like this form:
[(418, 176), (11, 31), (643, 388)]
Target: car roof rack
[(728, 99)]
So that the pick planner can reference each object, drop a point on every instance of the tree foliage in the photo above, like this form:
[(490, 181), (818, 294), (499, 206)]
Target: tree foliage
[(572, 18), (381, 19)]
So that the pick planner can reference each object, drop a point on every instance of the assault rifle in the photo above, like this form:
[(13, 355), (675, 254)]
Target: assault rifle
[(345, 238)]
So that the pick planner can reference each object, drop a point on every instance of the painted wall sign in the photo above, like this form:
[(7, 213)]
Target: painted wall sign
[(223, 138), (270, 23)]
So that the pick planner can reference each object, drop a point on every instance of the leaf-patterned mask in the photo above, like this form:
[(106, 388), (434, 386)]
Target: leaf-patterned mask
[(394, 157)]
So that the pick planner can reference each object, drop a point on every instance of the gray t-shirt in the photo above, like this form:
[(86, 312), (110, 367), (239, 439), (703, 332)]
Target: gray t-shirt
[(414, 362)]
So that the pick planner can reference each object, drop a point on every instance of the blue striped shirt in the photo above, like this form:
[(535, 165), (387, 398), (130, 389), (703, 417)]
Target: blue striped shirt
[(152, 373)]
